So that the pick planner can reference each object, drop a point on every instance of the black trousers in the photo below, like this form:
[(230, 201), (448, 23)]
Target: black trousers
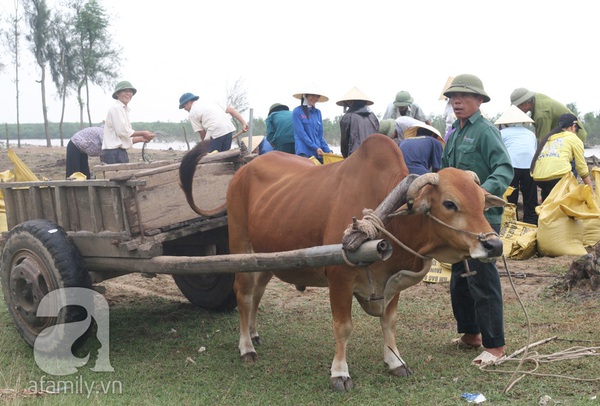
[(477, 301), (524, 184), (77, 161)]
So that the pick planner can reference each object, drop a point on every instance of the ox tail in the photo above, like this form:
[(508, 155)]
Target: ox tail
[(187, 170)]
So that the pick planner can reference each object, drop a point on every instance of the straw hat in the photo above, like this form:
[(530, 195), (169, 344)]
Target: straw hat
[(412, 131), (354, 94), (446, 86), (312, 89), (256, 141), (513, 115)]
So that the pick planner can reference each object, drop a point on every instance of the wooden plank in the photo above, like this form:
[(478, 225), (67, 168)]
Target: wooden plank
[(95, 210), (162, 202), (36, 201)]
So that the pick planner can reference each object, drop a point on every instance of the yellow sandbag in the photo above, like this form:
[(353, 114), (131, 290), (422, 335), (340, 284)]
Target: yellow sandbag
[(524, 244), (509, 191), (562, 217), (315, 161), (6, 176), (591, 228), (22, 172), (518, 238), (329, 158), (440, 272), (77, 176)]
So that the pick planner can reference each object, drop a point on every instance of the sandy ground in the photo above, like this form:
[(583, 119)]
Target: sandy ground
[(49, 162)]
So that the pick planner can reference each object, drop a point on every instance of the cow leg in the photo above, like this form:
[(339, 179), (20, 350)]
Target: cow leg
[(249, 289), (396, 284), (340, 297), (391, 355)]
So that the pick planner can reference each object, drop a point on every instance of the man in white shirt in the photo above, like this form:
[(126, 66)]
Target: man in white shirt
[(209, 119)]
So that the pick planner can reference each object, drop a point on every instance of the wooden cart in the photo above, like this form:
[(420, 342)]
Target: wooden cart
[(135, 219)]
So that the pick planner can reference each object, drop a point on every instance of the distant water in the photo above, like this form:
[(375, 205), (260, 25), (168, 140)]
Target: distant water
[(175, 145), (594, 151)]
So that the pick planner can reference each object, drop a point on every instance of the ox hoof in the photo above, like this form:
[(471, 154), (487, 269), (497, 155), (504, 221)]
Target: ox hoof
[(256, 340), (341, 383), (403, 370), (249, 357)]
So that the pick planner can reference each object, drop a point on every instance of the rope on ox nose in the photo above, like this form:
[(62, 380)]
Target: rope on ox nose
[(372, 226)]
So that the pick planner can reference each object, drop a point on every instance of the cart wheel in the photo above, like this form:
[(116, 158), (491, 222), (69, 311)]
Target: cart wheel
[(211, 291), (39, 257)]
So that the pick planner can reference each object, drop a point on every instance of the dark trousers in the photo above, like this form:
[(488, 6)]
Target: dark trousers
[(222, 143), (524, 184), (546, 186), (477, 301), (77, 161), (114, 156)]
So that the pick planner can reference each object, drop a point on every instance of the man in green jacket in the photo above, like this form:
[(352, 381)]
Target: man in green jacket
[(545, 111), (476, 145)]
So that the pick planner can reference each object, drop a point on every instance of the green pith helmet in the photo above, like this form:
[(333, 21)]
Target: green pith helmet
[(122, 86), (388, 127), (277, 107), (403, 99), (466, 83), (520, 96)]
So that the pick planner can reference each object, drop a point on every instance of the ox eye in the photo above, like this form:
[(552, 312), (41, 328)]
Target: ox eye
[(449, 204)]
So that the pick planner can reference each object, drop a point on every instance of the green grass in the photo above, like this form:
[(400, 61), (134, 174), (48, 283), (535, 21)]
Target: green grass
[(151, 340)]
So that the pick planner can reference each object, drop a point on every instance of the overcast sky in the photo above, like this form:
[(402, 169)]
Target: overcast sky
[(277, 48)]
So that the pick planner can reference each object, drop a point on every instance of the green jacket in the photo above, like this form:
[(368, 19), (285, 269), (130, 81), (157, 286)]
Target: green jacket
[(478, 147), (545, 114)]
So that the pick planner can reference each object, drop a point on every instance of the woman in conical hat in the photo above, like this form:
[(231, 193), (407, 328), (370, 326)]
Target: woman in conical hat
[(358, 121), (308, 124)]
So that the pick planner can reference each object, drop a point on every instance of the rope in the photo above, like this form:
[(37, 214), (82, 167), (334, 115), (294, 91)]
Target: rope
[(535, 358), (372, 226)]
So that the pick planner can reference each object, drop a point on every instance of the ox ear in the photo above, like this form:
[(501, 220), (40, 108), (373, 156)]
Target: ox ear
[(492, 201)]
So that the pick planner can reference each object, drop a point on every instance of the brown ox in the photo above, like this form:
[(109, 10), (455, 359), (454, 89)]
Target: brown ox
[(281, 202)]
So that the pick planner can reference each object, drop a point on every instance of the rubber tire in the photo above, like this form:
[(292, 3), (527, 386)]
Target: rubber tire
[(40, 249), (211, 291)]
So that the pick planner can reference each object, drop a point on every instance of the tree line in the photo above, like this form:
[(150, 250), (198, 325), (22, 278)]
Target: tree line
[(72, 44), (182, 131)]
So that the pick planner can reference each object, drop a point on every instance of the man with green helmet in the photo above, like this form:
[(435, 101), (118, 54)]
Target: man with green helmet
[(404, 105), (476, 145), (118, 135), (545, 111)]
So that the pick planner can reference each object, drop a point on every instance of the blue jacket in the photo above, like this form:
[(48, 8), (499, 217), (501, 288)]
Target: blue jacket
[(308, 132)]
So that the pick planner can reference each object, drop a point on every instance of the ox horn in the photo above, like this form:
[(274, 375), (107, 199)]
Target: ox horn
[(422, 181), (474, 176)]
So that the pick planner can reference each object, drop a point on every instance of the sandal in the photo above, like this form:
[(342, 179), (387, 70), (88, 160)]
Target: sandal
[(460, 344), (485, 358)]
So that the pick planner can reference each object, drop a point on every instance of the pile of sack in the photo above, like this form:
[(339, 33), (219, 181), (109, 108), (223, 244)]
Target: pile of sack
[(568, 224)]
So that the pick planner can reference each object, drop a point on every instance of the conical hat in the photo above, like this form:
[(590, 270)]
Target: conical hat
[(412, 131), (256, 140), (446, 86), (354, 94), (513, 115), (312, 89)]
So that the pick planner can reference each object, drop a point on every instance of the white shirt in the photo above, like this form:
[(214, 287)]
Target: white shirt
[(210, 117), (413, 111), (117, 128), (403, 123), (521, 145)]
